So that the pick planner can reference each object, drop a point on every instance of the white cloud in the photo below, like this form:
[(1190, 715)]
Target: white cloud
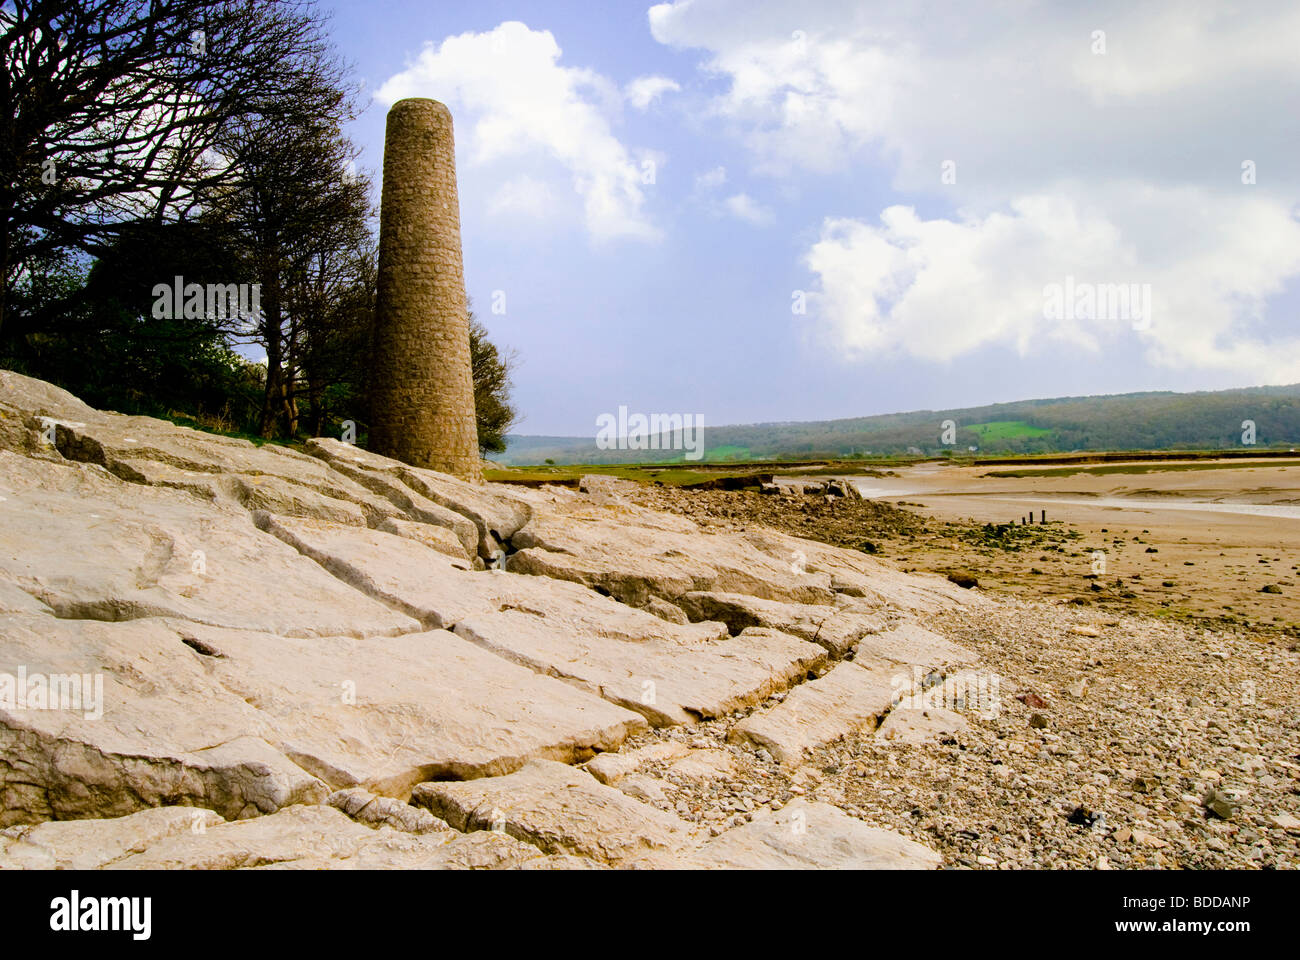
[(938, 289), (524, 195), (711, 179), (644, 91), (1010, 92), (1122, 167), (795, 101), (743, 207), (739, 205), (525, 111)]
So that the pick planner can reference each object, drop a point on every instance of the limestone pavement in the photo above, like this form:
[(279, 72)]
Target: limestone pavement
[(332, 659)]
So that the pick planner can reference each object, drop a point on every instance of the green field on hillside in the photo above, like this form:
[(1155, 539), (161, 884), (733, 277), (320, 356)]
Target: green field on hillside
[(1000, 431), (729, 452)]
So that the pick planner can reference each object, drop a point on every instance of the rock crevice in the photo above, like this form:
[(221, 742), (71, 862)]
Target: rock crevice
[(280, 634)]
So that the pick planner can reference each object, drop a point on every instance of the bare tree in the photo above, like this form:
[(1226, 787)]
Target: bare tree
[(298, 211), (336, 300), (109, 109)]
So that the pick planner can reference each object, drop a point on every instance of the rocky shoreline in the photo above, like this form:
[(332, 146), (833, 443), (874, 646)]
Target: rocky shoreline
[(1143, 722), (1117, 777), (328, 659)]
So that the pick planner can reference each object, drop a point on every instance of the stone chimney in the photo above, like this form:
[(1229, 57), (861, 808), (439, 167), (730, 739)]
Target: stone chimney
[(421, 383)]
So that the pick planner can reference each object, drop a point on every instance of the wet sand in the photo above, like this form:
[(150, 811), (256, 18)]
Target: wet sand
[(1217, 535)]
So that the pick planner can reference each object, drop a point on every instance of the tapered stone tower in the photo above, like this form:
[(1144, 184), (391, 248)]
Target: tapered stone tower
[(421, 382)]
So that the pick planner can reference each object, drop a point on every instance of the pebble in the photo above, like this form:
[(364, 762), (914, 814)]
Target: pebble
[(1152, 736)]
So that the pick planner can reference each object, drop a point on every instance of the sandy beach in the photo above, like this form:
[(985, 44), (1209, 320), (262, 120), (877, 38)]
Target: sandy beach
[(1219, 532)]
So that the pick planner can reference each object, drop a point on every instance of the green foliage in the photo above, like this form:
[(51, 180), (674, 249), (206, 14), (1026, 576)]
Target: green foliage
[(90, 329), (492, 406)]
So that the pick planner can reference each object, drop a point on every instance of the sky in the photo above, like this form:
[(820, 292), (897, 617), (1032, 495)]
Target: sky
[(761, 211)]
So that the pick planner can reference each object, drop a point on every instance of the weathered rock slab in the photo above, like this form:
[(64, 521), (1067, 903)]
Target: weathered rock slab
[(859, 575), (850, 697), (557, 808), (322, 837), (910, 726), (633, 556), (609, 768), (282, 720), (441, 539), (92, 844), (387, 715), (375, 811), (399, 572), (666, 681), (152, 728), (427, 584), (496, 511), (807, 836), (145, 450), (706, 764), (90, 546), (911, 644), (296, 838), (838, 630)]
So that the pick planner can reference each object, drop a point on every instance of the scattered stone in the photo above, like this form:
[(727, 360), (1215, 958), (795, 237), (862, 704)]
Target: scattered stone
[(609, 768), (1285, 821), (705, 764), (1149, 839), (1083, 817), (1223, 803)]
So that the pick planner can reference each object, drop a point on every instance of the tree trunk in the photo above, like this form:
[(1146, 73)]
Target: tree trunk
[(290, 402), (311, 372), (273, 398), (6, 223), (316, 425)]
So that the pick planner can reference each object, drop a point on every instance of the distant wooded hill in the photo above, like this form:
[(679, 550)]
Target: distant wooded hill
[(1130, 421)]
